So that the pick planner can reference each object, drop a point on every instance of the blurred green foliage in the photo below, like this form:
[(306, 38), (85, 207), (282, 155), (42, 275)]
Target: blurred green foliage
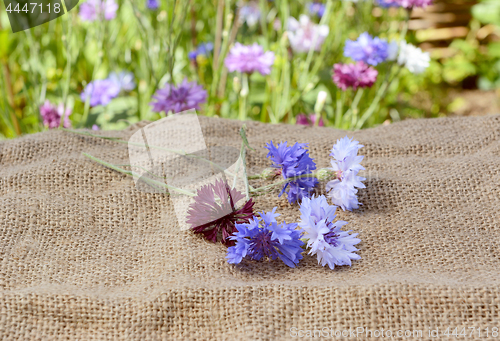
[(478, 55), (55, 61)]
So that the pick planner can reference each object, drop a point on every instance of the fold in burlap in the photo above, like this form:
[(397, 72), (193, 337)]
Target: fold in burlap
[(86, 256)]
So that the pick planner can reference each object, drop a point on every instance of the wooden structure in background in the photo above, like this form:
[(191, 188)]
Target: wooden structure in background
[(436, 26)]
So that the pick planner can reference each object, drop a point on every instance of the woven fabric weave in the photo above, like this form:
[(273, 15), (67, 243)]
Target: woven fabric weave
[(84, 255)]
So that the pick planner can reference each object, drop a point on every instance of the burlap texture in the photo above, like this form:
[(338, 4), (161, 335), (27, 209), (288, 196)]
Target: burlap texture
[(84, 255)]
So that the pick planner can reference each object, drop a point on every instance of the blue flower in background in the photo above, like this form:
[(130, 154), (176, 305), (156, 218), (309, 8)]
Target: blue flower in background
[(249, 14), (203, 49), (292, 162), (367, 49), (125, 80), (264, 237), (387, 3), (317, 8), (152, 4), (100, 92)]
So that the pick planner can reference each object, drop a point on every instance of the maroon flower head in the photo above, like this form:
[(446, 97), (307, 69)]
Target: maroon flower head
[(358, 75), (214, 211)]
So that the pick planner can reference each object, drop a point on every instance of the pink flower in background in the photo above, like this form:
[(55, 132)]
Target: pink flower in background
[(414, 3), (358, 75), (301, 34), (51, 115), (96, 9), (249, 58), (309, 120)]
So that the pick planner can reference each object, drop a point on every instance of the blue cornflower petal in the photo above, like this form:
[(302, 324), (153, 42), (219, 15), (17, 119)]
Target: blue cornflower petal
[(264, 237), (367, 49), (293, 161)]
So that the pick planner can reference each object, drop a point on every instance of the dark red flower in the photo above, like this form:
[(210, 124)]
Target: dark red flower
[(214, 211)]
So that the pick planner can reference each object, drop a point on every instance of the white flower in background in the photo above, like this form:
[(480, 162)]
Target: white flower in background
[(392, 50), (250, 13), (301, 34), (413, 58), (320, 101)]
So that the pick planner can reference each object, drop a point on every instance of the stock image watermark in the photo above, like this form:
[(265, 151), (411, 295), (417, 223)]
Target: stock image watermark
[(363, 332), (173, 152), (25, 14)]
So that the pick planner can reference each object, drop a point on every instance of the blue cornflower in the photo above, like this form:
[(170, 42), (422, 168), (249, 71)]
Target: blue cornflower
[(125, 80), (100, 92), (292, 162), (317, 8), (346, 165), (387, 3), (203, 49), (367, 49), (152, 4), (264, 237), (325, 237)]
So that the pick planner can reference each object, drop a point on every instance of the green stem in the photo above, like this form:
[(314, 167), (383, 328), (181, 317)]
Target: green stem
[(265, 188), (263, 20), (243, 96), (380, 94), (236, 172), (243, 160), (175, 151), (131, 173), (311, 51), (67, 42), (405, 24), (339, 108), (86, 108), (354, 106)]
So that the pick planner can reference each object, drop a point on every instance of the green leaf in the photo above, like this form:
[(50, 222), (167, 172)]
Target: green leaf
[(487, 12), (5, 42)]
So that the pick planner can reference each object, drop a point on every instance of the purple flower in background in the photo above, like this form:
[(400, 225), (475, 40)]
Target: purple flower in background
[(95, 9), (125, 80), (250, 14), (301, 34), (95, 127), (210, 215), (152, 4), (316, 8), (358, 75), (100, 92), (404, 3), (367, 49), (309, 120), (415, 3), (249, 58), (188, 95), (264, 237), (203, 49), (52, 114), (346, 165), (325, 237), (292, 162), (388, 3)]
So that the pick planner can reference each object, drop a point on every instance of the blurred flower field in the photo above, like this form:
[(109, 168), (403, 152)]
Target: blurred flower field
[(108, 64)]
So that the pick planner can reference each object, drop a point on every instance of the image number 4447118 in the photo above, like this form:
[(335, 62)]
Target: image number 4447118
[(25, 14)]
